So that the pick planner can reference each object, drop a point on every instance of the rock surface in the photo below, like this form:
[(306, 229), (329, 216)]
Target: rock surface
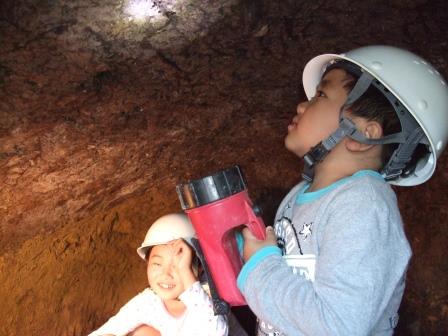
[(102, 115)]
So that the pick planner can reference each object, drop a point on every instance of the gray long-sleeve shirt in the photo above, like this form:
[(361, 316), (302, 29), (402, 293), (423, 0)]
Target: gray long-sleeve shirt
[(340, 266)]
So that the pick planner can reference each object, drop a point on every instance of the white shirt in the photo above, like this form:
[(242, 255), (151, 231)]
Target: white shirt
[(147, 308)]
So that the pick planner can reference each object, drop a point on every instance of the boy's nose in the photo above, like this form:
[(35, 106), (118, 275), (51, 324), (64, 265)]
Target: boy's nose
[(301, 107)]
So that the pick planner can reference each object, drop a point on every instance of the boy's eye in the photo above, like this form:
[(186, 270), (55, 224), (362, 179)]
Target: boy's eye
[(319, 93), (156, 264)]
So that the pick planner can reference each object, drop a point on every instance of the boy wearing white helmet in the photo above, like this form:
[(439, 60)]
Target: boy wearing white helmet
[(175, 302), (336, 260)]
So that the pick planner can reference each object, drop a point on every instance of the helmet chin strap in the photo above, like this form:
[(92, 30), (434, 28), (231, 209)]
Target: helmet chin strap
[(410, 136), (346, 128)]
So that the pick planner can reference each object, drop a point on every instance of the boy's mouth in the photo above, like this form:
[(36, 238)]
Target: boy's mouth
[(292, 125)]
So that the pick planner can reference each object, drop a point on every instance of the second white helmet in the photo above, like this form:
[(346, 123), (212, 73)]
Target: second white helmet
[(166, 229)]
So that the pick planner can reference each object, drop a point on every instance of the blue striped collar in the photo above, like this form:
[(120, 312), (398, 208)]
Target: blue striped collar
[(304, 197)]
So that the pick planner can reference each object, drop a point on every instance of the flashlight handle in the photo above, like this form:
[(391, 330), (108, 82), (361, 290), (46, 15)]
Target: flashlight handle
[(255, 223)]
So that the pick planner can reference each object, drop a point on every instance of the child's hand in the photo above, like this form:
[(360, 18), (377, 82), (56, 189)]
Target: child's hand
[(252, 244), (182, 262), (182, 255)]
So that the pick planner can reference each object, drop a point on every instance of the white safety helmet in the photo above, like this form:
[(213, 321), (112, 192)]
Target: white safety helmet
[(413, 81), (165, 229)]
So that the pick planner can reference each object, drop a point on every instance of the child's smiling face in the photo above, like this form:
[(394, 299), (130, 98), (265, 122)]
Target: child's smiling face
[(162, 274), (318, 118)]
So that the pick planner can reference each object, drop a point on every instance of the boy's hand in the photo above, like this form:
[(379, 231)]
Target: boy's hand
[(252, 244)]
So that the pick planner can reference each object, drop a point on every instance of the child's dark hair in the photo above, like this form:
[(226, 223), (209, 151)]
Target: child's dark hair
[(148, 252), (373, 105)]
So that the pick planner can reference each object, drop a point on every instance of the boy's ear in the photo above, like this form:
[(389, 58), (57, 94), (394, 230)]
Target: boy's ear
[(371, 130)]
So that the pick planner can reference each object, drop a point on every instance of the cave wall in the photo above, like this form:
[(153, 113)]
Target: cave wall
[(101, 116)]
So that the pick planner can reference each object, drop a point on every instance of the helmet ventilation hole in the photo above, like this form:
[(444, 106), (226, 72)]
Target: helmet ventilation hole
[(422, 104), (377, 65)]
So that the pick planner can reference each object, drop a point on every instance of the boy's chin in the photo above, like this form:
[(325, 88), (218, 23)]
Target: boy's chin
[(291, 147), (287, 142)]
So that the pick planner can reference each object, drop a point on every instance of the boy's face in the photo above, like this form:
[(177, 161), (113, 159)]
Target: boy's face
[(318, 118), (162, 276)]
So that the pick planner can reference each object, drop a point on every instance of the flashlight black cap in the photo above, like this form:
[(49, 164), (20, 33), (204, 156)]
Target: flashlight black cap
[(211, 188)]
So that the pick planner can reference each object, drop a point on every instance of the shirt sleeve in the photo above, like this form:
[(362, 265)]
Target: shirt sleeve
[(363, 255), (200, 315), (128, 318)]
